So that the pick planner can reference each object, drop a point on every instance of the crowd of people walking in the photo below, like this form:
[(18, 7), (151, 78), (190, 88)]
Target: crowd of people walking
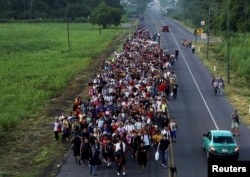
[(127, 110)]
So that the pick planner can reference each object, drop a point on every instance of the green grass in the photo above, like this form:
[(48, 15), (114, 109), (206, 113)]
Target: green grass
[(40, 76), (35, 64)]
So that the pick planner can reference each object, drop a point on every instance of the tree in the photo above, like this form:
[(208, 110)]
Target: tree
[(141, 5), (113, 3), (77, 10), (93, 3), (105, 15)]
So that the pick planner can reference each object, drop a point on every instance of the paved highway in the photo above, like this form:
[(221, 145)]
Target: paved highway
[(196, 110)]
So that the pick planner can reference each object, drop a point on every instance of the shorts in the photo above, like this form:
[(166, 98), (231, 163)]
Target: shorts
[(234, 125), (173, 134), (76, 152), (147, 147), (120, 161), (142, 161)]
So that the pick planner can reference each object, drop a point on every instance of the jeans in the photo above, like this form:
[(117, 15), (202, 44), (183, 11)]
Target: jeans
[(93, 169), (173, 134), (220, 90), (164, 157)]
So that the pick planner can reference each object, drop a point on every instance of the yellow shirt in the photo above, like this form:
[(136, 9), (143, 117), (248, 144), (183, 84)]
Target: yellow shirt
[(164, 107), (157, 138)]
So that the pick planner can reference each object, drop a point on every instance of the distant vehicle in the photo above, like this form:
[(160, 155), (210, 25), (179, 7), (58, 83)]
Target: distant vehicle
[(220, 144), (142, 18), (165, 29)]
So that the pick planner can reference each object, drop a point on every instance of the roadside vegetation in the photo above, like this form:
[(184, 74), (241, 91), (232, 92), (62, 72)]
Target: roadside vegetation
[(237, 90), (40, 76), (36, 63)]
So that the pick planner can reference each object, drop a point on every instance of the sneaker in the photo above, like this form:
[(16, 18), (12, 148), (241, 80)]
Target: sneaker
[(118, 174), (165, 166), (109, 165), (123, 173)]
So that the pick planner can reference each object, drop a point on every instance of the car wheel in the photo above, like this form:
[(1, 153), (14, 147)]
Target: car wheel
[(208, 155), (203, 146)]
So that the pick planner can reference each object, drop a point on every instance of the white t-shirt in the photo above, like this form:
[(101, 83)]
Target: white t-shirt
[(118, 147), (145, 139), (56, 126), (129, 128)]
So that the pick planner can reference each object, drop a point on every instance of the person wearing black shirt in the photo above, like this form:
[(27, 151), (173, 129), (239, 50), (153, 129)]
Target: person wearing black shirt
[(85, 148), (175, 88), (176, 54), (164, 121), (108, 152), (135, 143), (142, 157), (163, 148), (76, 141), (93, 160)]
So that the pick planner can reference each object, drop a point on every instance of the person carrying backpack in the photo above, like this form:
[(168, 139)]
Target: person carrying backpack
[(145, 138)]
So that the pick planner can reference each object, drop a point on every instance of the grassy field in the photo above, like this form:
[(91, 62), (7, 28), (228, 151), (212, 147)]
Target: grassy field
[(39, 77), (35, 64)]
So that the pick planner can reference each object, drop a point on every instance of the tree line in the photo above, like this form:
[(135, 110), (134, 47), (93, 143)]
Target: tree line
[(227, 18), (31, 9), (100, 12), (219, 14)]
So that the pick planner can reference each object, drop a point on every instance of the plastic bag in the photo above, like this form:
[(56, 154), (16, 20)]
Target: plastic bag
[(157, 155)]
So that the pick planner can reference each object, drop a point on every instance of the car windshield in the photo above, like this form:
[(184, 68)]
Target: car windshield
[(223, 139)]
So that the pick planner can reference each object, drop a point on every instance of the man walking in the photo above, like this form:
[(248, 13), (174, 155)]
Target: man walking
[(163, 148), (221, 85), (93, 160), (176, 54), (235, 123), (120, 149)]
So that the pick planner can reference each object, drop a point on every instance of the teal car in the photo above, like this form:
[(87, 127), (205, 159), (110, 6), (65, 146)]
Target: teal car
[(220, 144)]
